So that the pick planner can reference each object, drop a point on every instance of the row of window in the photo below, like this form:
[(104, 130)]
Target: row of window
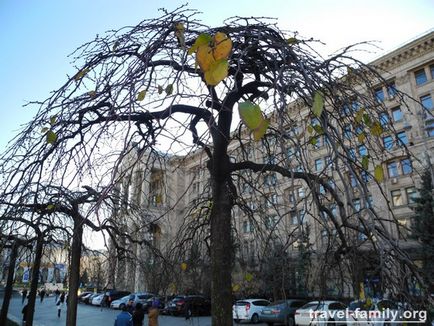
[(421, 75), (401, 197)]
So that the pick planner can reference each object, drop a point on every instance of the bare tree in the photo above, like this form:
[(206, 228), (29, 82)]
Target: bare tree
[(139, 89)]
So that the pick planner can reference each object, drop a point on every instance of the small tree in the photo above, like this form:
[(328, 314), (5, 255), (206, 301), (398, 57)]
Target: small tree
[(423, 226)]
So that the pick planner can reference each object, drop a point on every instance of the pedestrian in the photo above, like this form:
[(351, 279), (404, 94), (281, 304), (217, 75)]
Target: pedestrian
[(153, 313), (42, 294), (24, 295), (60, 303), (56, 293), (138, 315), (24, 312), (124, 318)]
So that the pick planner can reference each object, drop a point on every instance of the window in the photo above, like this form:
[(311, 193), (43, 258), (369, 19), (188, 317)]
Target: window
[(322, 190), (384, 119), (388, 142), (406, 166), (270, 159), (291, 198), (432, 71), (396, 198), (411, 194), (379, 94), (270, 222), (356, 205), (270, 180), (365, 176), (355, 106), (334, 210), (420, 77), (391, 90), (392, 169), (427, 102), (353, 181), (272, 200), (301, 192), (362, 150), (397, 114), (352, 153), (294, 218), (318, 164), (369, 202), (402, 138), (347, 131), (247, 227)]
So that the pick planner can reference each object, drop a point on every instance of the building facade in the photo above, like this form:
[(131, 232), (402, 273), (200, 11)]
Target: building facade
[(278, 227)]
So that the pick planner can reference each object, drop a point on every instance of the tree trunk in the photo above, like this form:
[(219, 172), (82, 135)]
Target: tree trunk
[(74, 274), (34, 281), (9, 283), (221, 255)]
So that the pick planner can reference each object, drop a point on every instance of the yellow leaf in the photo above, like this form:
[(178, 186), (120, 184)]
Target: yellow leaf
[(183, 266), (202, 39), (359, 116), (318, 103), (217, 71), (44, 130), (81, 74), (204, 57), (250, 114), (379, 173), (310, 129), (222, 46), (51, 137), (141, 95), (179, 32), (259, 132), (292, 40), (235, 288), (248, 277), (376, 129), (361, 137)]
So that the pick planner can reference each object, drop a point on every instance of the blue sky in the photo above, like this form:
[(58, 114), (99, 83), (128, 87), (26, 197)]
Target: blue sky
[(37, 35)]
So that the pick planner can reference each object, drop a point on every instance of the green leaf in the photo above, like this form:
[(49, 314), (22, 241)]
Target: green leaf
[(365, 162), (50, 207), (376, 129), (250, 114), (53, 120), (141, 95), (202, 39), (318, 103), (248, 277), (51, 137), (367, 119), (310, 129), (318, 129), (313, 141), (160, 89), (218, 70), (379, 173), (169, 89), (292, 40)]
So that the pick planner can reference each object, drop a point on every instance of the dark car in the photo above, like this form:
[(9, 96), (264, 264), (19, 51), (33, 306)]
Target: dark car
[(191, 305), (115, 295), (158, 299), (281, 312)]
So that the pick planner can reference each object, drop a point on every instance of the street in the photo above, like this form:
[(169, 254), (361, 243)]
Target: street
[(46, 315)]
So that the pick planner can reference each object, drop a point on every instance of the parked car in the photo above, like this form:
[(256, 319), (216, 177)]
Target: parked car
[(321, 313), (193, 305), (248, 309), (375, 313), (115, 295), (119, 303), (96, 301), (83, 295), (281, 312), (88, 299)]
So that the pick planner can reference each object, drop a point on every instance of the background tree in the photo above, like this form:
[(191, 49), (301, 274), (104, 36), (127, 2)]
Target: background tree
[(141, 89)]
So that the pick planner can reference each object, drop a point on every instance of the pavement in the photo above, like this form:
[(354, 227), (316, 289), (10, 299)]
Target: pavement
[(46, 315)]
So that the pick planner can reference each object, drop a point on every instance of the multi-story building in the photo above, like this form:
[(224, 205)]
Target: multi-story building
[(278, 227)]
